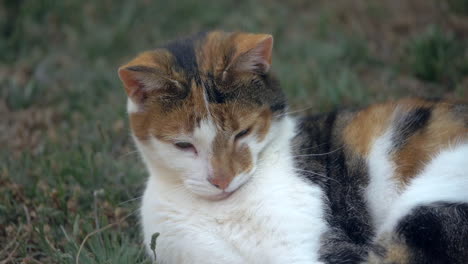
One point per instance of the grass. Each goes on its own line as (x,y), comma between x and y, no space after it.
(70,179)
(436,56)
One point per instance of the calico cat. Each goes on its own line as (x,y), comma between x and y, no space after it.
(235,179)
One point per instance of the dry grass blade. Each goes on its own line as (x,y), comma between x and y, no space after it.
(77,258)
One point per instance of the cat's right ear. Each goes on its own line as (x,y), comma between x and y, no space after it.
(139,82)
(143,82)
(144,78)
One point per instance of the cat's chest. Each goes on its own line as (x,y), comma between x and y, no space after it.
(264,217)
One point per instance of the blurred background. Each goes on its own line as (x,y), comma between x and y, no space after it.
(70,179)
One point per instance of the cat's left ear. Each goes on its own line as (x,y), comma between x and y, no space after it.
(252,52)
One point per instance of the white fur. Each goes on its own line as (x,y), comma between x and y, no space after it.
(382,189)
(274,217)
(131,106)
(444,179)
(183,168)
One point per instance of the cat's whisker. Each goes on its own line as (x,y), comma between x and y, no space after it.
(319,154)
(294,111)
(131,200)
(177,187)
(317,174)
(301,149)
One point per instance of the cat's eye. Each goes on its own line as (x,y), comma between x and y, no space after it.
(242,134)
(185,146)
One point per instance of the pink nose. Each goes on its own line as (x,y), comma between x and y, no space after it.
(220,182)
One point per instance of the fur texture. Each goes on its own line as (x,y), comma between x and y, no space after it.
(235,179)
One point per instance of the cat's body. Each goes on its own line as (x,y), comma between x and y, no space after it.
(235,179)
(382,165)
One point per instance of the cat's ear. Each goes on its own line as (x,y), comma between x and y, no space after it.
(143,79)
(140,82)
(252,52)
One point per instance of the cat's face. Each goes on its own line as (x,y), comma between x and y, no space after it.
(202,109)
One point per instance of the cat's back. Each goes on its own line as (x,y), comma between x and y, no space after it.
(377,164)
(401,141)
(416,130)
(408,132)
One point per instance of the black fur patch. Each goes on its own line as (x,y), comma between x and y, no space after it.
(214,95)
(322,158)
(278,107)
(437,233)
(412,122)
(142,69)
(183,51)
(274,94)
(460,111)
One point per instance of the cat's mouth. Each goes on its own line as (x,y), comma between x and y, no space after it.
(242,181)
(207,191)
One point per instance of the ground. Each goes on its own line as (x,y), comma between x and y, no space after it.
(70,179)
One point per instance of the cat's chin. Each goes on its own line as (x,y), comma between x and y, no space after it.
(219,197)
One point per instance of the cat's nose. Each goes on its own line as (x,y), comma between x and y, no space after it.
(220,182)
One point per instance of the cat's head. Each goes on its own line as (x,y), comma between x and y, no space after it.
(202,108)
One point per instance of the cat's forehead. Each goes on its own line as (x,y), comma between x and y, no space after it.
(204,52)
(201,64)
(215,76)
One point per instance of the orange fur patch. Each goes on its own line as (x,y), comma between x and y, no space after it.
(165,125)
(245,42)
(213,55)
(442,131)
(367,126)
(229,157)
(395,251)
(219,50)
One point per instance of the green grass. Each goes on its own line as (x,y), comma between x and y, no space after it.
(69,175)
(458,6)
(437,56)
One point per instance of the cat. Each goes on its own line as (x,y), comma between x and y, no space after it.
(234,178)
